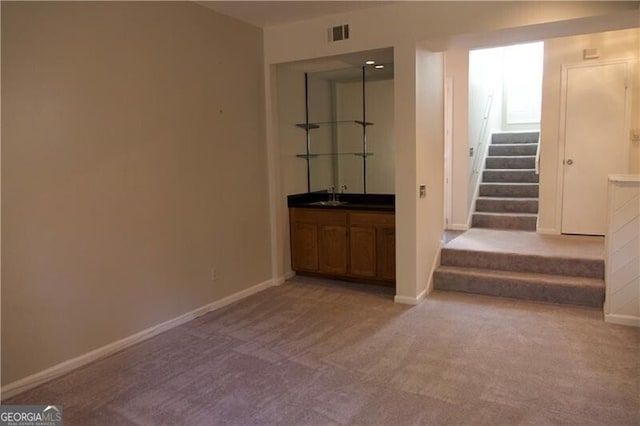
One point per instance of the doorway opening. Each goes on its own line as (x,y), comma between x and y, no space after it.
(505,96)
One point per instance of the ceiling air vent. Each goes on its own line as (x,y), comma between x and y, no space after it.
(341,32)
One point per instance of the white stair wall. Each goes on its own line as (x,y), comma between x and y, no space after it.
(622,255)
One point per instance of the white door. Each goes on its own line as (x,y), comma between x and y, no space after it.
(595,143)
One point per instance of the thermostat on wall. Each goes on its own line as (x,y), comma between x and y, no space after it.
(591,53)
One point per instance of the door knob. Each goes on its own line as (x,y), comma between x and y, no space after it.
(569,162)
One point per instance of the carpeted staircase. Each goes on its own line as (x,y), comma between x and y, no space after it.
(472,263)
(508,193)
(496,258)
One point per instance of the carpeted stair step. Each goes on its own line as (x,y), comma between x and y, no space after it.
(518,190)
(512,138)
(540,287)
(507,205)
(510,175)
(513,149)
(511,162)
(519,221)
(517,262)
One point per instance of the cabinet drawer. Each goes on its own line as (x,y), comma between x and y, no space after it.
(319,216)
(369,219)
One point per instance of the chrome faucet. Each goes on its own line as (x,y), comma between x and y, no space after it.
(332,190)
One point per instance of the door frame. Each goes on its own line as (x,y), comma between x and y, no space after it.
(629,62)
(448,151)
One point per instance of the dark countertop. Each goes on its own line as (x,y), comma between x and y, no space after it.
(371,202)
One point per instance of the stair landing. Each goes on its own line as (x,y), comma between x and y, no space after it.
(524,265)
(529,243)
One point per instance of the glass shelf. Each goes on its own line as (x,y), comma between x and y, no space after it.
(333,154)
(318,124)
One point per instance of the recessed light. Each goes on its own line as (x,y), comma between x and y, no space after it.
(379,67)
(370,62)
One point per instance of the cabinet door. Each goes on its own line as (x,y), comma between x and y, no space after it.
(362,251)
(387,253)
(304,246)
(333,249)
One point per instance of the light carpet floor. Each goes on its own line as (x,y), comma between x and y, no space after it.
(525,242)
(315,352)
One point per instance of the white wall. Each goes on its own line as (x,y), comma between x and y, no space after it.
(558,51)
(569,50)
(437,23)
(133,160)
(380,166)
(403,26)
(322,139)
(622,302)
(457,68)
(348,99)
(292,139)
(486,77)
(429,163)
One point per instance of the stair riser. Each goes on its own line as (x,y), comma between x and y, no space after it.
(504,222)
(518,176)
(520,149)
(506,206)
(523,263)
(518,191)
(520,289)
(511,162)
(512,138)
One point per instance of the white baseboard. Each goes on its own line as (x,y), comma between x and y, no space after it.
(429,288)
(36,379)
(410,300)
(281,280)
(458,227)
(622,320)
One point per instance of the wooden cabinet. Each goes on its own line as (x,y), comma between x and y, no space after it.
(319,241)
(332,245)
(362,253)
(387,252)
(304,246)
(344,244)
(373,245)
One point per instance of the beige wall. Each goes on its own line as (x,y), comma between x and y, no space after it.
(565,51)
(133,160)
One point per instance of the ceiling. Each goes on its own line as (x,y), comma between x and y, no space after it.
(338,68)
(348,66)
(270,13)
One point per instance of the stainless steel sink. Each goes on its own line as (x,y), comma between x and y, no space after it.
(328,203)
